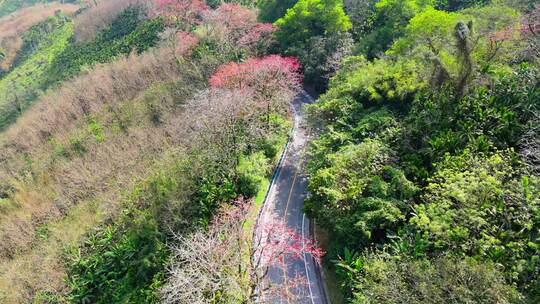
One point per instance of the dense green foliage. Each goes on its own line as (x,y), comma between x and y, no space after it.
(418,170)
(386,279)
(124,263)
(315,18)
(315,32)
(36,35)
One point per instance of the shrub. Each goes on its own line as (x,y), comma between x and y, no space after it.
(383,278)
(119,264)
(359,193)
(482,207)
(308,18)
(388,23)
(322,57)
(252,170)
(313,31)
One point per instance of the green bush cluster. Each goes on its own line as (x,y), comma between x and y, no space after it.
(386,279)
(315,31)
(124,266)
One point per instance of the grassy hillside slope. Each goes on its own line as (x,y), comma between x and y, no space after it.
(9,6)
(59,58)
(14,26)
(22,84)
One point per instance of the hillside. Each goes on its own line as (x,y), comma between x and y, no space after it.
(167,151)
(53,55)
(9,6)
(13,28)
(108,160)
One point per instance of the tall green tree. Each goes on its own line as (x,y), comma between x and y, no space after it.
(316,31)
(309,18)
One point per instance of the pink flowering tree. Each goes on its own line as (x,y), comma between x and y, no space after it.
(235,26)
(273,80)
(232,19)
(186,43)
(258,39)
(531,22)
(180,14)
(223,264)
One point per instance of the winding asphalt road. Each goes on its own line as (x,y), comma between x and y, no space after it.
(285,200)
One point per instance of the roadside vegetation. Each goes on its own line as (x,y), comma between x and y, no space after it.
(423,173)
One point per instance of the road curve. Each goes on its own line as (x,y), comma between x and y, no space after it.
(285,199)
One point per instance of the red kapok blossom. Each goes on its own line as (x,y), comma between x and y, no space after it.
(273,69)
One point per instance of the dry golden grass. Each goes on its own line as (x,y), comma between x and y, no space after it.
(41,269)
(15,24)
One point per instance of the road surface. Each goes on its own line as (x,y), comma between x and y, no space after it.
(285,200)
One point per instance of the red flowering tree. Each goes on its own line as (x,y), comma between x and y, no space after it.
(272,79)
(225,265)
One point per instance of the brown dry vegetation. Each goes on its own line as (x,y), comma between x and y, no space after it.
(15,24)
(55,161)
(97,17)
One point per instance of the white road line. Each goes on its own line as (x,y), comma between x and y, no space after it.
(305,262)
